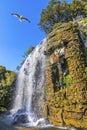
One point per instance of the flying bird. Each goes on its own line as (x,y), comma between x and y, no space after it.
(21,18)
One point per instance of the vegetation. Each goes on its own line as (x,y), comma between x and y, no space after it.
(7,79)
(25,56)
(28,51)
(67,80)
(60,11)
(85,20)
(67,106)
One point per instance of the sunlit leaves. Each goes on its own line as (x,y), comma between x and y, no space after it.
(6,84)
(61,11)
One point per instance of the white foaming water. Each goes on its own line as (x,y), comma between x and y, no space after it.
(29,95)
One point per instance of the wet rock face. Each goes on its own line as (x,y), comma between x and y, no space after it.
(20,119)
(66,71)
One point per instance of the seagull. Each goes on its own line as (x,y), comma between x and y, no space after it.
(21,18)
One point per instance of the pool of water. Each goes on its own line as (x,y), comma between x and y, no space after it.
(6,126)
(50,128)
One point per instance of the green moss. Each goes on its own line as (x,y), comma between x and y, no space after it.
(57,25)
(75,24)
(3,109)
(83,26)
(67,80)
(85,20)
(70,99)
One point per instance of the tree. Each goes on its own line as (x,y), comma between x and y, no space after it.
(77,8)
(28,51)
(55,12)
(7,78)
(24,56)
(50,15)
(84,0)
(61,11)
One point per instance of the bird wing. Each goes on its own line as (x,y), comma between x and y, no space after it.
(26,19)
(16,15)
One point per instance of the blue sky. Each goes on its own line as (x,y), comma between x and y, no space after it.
(16,37)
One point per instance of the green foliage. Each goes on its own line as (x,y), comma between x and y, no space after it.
(2,109)
(25,55)
(85,20)
(75,24)
(2,69)
(28,51)
(57,12)
(67,80)
(84,0)
(56,25)
(86,70)
(85,51)
(77,8)
(6,87)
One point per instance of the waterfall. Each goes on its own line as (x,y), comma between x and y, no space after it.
(29,95)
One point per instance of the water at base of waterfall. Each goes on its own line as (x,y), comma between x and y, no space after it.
(6,126)
(41,123)
(26,119)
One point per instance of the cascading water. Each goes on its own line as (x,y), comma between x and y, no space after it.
(29,96)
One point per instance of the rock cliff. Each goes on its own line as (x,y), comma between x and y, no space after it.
(66,76)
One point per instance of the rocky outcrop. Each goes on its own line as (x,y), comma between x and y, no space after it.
(66,79)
